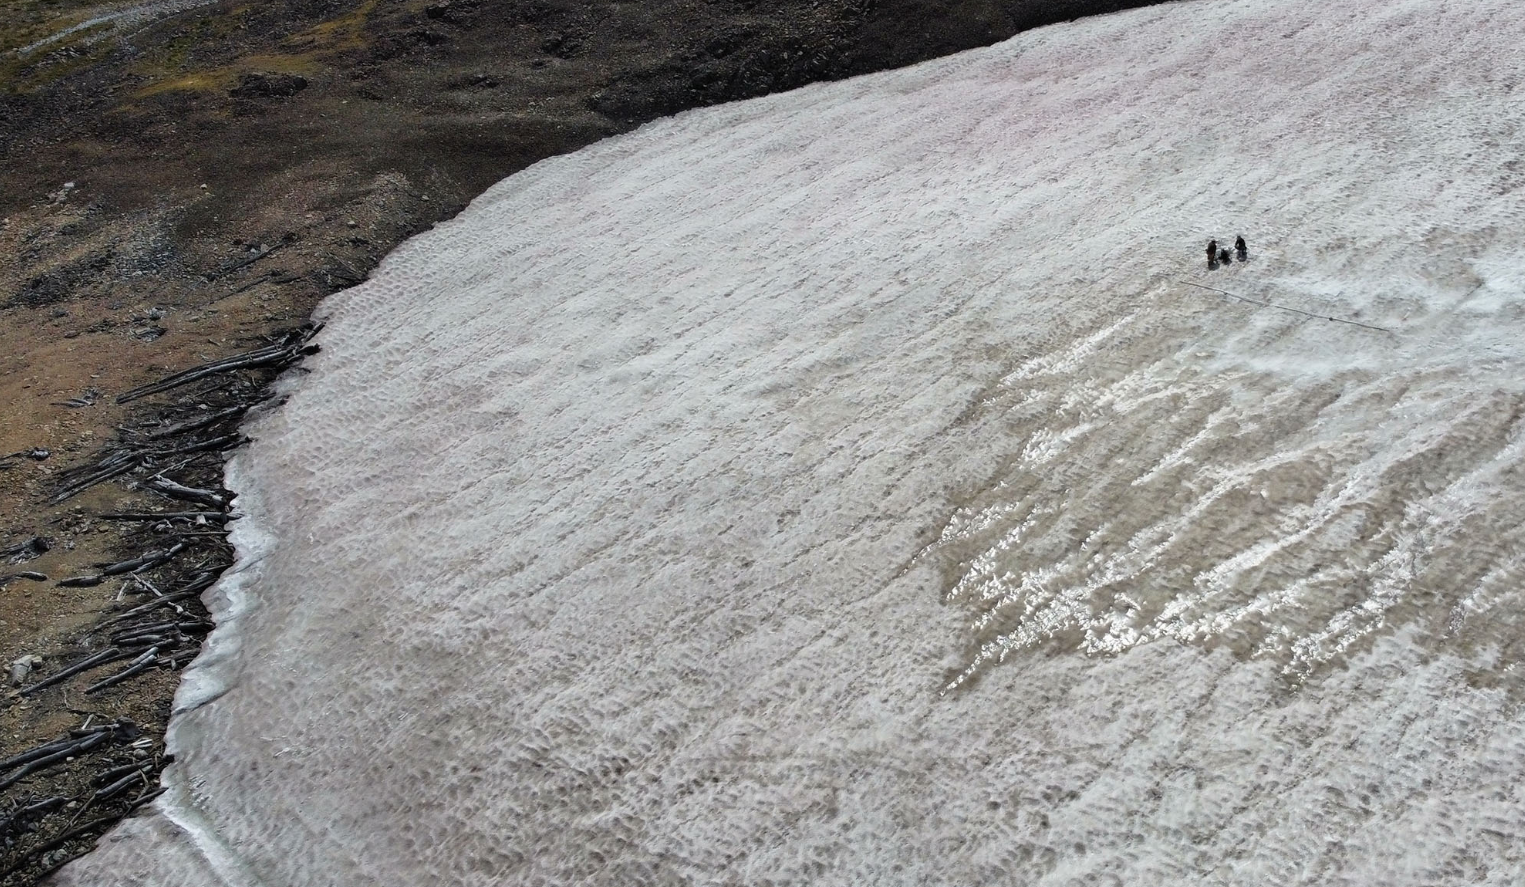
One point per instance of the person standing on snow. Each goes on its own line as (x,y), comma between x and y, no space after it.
(1212,254)
(1241,248)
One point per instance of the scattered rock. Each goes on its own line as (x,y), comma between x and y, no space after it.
(36,454)
(428,37)
(561,45)
(86,399)
(725,44)
(59,283)
(460,13)
(397,45)
(447,12)
(23,667)
(25,551)
(475,81)
(268,86)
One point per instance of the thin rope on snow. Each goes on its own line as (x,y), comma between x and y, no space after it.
(1380,329)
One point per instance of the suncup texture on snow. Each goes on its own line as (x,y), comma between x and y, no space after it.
(847,487)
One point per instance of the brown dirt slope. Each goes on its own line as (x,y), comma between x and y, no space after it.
(180,180)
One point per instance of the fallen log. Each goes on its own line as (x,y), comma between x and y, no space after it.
(148,795)
(24,574)
(106,469)
(141,664)
(187,494)
(43,763)
(109,726)
(115,773)
(81,581)
(111,654)
(167,515)
(224,271)
(41,751)
(183,629)
(289,351)
(222,442)
(209,419)
(141,629)
(183,658)
(121,784)
(161,641)
(145,562)
(167,600)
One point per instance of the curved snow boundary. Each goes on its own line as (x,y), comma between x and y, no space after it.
(612,527)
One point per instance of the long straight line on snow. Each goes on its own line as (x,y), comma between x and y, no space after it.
(1380,329)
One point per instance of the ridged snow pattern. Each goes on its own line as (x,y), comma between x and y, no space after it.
(666,518)
(1266,512)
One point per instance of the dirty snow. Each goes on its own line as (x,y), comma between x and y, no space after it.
(850,487)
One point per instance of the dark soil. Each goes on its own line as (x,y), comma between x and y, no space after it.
(177,186)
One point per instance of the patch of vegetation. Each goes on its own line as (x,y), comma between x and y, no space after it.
(28,71)
(198,81)
(223,77)
(340,33)
(193,58)
(24,22)
(190,62)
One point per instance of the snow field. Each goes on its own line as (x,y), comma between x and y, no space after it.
(846,487)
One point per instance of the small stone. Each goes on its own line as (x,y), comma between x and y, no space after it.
(23,667)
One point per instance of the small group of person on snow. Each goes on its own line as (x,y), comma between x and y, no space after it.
(1215,255)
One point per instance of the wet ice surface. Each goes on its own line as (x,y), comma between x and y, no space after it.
(845,487)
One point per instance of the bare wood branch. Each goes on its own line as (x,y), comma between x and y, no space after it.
(288,352)
(110,654)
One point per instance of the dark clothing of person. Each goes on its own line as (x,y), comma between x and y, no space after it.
(1241,248)
(1212,253)
(1223,257)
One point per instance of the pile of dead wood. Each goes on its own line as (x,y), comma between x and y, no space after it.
(174,452)
(155,451)
(125,778)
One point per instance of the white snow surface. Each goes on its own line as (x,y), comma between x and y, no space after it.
(847,487)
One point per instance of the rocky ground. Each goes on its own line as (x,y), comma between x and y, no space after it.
(183,181)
